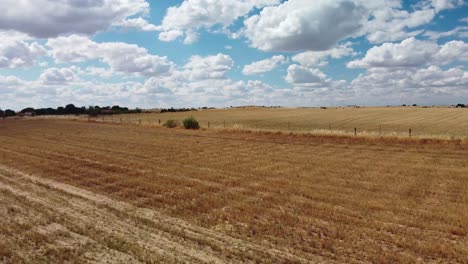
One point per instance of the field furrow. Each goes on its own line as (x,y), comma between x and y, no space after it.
(227,196)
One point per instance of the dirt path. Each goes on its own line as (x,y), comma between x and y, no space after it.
(110,231)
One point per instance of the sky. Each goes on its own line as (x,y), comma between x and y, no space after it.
(221,53)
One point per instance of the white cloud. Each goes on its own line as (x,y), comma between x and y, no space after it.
(263,65)
(154,86)
(59,76)
(136,23)
(192,15)
(303,76)
(43,18)
(412,53)
(392,24)
(9,84)
(310,77)
(319,58)
(460,32)
(298,25)
(209,67)
(401,79)
(170,35)
(465,20)
(121,57)
(440,5)
(191,37)
(99,72)
(16,50)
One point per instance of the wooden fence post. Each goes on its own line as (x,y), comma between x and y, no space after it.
(355,131)
(410,132)
(159,121)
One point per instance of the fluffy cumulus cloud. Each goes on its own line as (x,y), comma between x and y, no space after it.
(391,22)
(43,18)
(310,77)
(299,25)
(192,15)
(429,79)
(137,24)
(263,66)
(59,76)
(98,72)
(121,57)
(320,58)
(209,67)
(395,24)
(8,84)
(411,70)
(17,50)
(412,53)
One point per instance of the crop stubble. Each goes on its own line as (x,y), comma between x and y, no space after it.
(285,198)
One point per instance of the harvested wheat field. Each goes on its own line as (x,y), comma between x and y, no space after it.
(390,121)
(73,191)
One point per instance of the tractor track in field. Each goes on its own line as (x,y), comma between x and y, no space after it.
(137,234)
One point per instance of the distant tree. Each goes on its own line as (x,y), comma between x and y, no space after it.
(116,108)
(70,109)
(461,106)
(28,109)
(93,110)
(60,110)
(9,112)
(2,113)
(46,111)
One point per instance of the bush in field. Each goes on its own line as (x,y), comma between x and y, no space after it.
(190,123)
(171,123)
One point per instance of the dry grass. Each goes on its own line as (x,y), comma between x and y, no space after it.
(395,121)
(310,198)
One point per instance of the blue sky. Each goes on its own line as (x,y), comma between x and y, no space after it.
(186,53)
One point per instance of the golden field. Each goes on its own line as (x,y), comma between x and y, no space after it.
(392,121)
(81,191)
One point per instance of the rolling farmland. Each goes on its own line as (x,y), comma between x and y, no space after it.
(92,191)
(394,121)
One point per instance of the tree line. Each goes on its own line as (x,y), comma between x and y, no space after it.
(71,109)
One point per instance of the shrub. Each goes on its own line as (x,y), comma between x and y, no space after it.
(171,123)
(190,123)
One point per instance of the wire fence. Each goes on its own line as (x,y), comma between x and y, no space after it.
(306,126)
(378,130)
